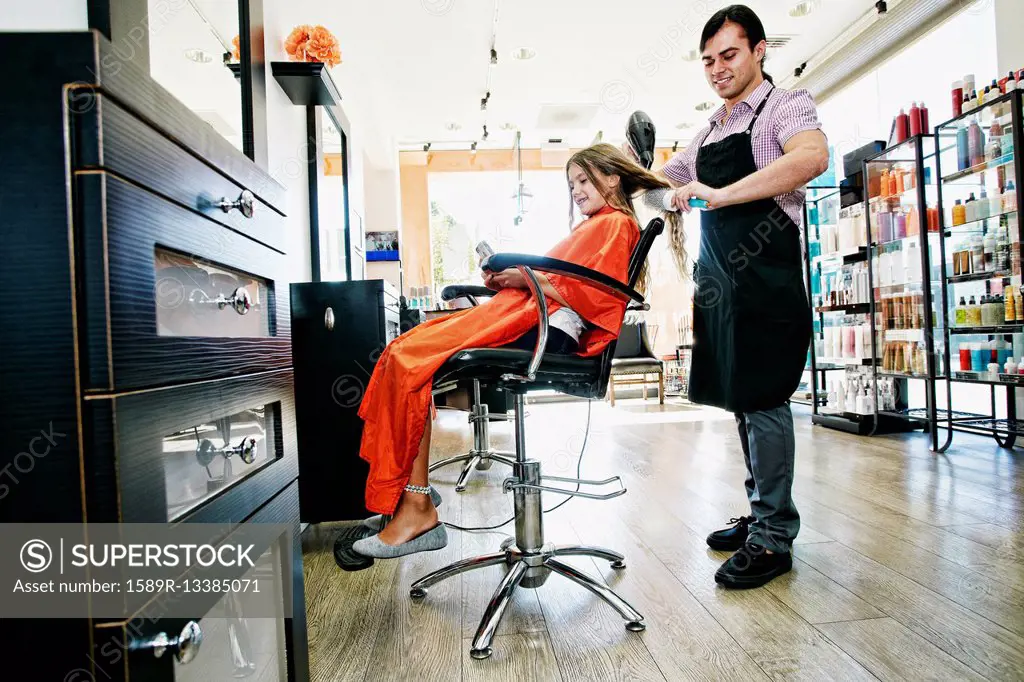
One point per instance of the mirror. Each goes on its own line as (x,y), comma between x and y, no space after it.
(188,42)
(337,239)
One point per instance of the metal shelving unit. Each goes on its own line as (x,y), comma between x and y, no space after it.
(968,162)
(827,255)
(907,303)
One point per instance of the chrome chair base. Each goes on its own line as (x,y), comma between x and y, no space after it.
(521,565)
(529,558)
(474,459)
(481,457)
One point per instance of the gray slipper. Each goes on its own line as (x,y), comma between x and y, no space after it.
(433,539)
(376,523)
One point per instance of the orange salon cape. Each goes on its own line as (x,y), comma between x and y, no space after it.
(397,400)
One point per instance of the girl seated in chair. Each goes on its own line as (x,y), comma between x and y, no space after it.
(583,320)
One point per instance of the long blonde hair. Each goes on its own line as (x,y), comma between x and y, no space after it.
(633,180)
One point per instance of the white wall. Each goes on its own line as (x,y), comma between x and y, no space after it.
(1009,22)
(286,129)
(43,15)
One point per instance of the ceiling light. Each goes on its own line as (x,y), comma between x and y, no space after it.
(705,106)
(485,133)
(802,9)
(684,126)
(453,126)
(198,56)
(508,126)
(691,55)
(472,149)
(523,53)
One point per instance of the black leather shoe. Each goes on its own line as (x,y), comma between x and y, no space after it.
(732,538)
(752,566)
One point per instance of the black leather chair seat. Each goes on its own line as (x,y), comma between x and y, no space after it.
(488,363)
(636,366)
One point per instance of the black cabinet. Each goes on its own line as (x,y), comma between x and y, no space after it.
(339,330)
(146,360)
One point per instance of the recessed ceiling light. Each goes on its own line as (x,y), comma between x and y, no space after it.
(802,9)
(453,126)
(523,53)
(198,56)
(691,55)
(508,126)
(705,106)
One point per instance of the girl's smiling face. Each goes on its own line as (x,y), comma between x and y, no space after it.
(585,194)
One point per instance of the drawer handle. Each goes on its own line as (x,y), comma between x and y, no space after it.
(240,300)
(245,203)
(329,319)
(184,648)
(246,451)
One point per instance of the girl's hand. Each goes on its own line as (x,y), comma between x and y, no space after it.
(489,281)
(510,279)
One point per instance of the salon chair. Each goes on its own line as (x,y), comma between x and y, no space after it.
(530,560)
(481,457)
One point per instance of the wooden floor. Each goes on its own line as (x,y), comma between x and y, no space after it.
(908,565)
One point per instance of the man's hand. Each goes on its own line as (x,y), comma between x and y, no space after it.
(716,198)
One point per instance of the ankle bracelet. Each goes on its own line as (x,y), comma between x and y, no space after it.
(421,489)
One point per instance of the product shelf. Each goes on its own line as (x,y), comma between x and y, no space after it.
(976,221)
(964,377)
(988,331)
(848,308)
(979,276)
(1009,427)
(994,164)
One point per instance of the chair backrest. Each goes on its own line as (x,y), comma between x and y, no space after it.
(599,386)
(633,342)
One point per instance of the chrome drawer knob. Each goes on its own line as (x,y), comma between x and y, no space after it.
(240,300)
(184,648)
(329,319)
(245,203)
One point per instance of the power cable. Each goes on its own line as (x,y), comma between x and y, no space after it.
(579,467)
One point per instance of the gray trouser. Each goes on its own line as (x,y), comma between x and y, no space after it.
(769,447)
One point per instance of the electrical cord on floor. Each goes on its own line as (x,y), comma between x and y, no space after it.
(579,467)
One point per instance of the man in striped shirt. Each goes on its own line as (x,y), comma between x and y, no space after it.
(752,321)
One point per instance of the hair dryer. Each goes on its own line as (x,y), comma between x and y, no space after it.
(640,135)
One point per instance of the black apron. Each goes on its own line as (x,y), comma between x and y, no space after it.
(751,317)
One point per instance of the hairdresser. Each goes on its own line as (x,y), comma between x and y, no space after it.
(751,318)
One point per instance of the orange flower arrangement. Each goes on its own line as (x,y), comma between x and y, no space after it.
(236,50)
(312,44)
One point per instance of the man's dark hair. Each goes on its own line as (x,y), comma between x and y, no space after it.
(747,20)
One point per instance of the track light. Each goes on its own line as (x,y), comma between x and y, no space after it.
(472,149)
(494,56)
(799,71)
(483,102)
(485,133)
(881,7)
(675,146)
(426,147)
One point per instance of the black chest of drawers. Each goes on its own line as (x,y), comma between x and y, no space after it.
(339,332)
(146,367)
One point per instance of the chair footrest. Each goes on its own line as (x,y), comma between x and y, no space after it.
(512,484)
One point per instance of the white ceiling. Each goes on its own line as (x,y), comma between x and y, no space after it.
(410,67)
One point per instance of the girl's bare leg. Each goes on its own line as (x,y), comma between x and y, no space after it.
(415,513)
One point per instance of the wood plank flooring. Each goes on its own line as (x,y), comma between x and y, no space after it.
(909,565)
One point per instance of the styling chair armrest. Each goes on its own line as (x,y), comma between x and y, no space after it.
(469,291)
(504,261)
(526,264)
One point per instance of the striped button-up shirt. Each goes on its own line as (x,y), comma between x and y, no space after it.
(786,113)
